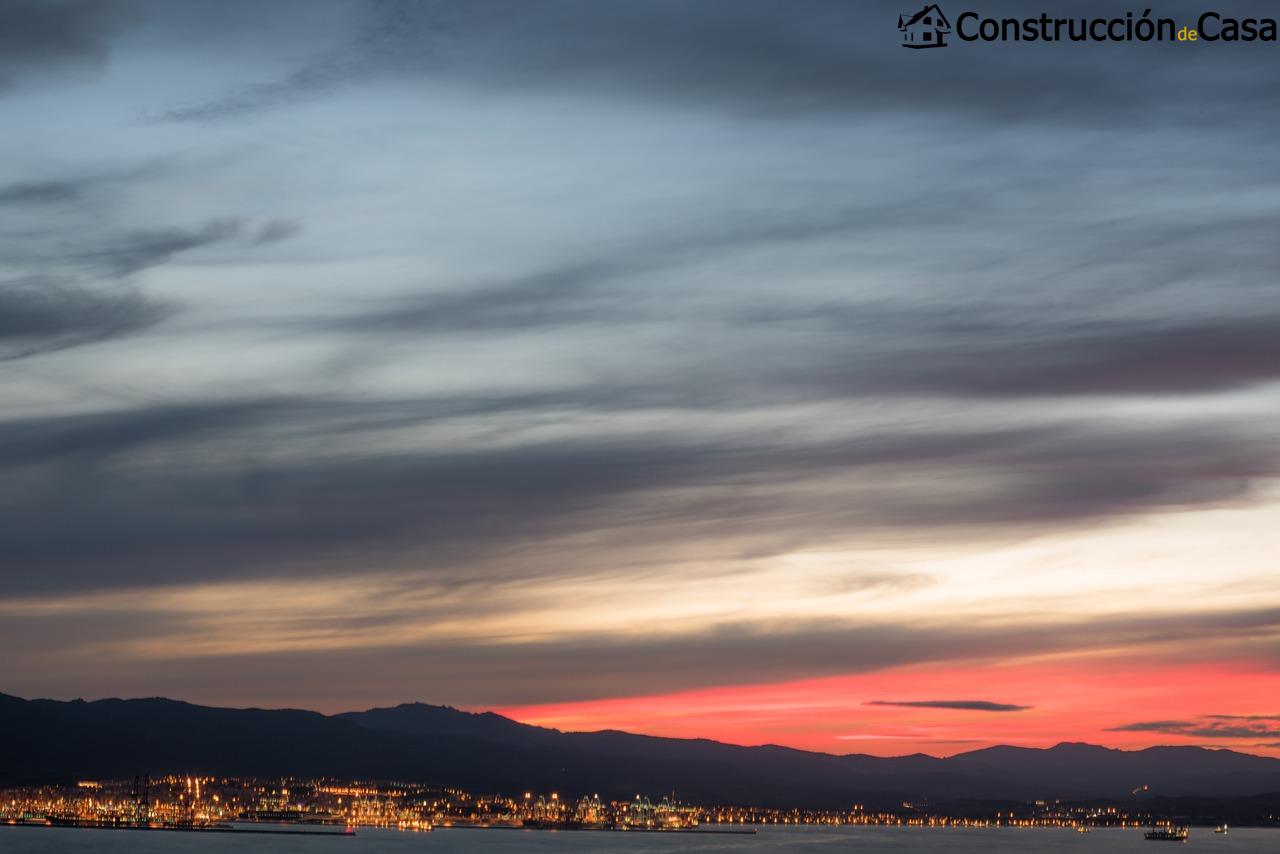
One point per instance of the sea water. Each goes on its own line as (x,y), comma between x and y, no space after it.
(795,840)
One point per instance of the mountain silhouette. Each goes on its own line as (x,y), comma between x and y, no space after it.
(51,741)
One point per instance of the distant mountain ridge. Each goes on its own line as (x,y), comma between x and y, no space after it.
(48,740)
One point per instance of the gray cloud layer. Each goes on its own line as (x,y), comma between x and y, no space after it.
(1212,726)
(958,705)
(761,61)
(595,665)
(74,270)
(39,316)
(473,294)
(39,38)
(195,493)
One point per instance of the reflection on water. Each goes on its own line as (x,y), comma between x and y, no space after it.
(810,840)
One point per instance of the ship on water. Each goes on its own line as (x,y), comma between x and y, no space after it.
(553,824)
(1168,833)
(129,823)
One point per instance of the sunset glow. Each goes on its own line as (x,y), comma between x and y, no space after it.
(1093,701)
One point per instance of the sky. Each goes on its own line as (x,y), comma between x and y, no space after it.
(693,368)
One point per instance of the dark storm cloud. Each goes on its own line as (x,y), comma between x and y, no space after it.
(1212,726)
(959,705)
(764,58)
(191,493)
(39,316)
(40,38)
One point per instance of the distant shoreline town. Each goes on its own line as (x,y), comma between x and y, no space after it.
(292,805)
(164,764)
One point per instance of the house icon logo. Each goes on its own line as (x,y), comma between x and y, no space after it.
(926,28)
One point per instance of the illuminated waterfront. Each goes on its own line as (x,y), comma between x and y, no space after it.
(199,803)
(327,806)
(360,816)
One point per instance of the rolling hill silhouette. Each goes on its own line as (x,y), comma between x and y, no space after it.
(48,740)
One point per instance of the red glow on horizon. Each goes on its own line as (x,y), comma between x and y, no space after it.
(1067,702)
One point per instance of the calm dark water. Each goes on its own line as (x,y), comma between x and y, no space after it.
(875,840)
